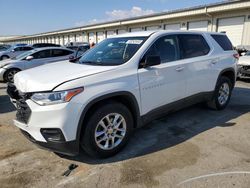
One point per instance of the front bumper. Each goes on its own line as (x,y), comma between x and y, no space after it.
(243,71)
(2,71)
(68,148)
(37,122)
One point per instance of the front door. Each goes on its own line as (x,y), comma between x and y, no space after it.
(165,83)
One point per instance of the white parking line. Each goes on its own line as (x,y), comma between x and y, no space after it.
(211,175)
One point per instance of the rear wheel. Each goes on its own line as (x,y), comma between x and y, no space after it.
(4,57)
(107,130)
(222,94)
(9,75)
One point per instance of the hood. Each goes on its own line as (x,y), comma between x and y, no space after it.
(47,77)
(7,61)
(244,60)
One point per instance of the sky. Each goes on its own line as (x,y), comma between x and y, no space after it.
(25,17)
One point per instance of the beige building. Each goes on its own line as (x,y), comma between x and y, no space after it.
(231,17)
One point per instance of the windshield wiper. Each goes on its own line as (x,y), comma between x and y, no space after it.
(91,62)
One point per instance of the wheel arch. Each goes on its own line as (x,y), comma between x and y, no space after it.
(4,55)
(229,73)
(124,97)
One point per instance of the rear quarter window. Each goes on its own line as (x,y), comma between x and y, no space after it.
(193,45)
(223,41)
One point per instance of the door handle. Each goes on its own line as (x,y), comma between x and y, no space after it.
(179,69)
(214,61)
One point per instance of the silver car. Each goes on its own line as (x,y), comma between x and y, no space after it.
(14,51)
(33,58)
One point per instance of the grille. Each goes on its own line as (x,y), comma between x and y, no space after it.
(23,110)
(246,68)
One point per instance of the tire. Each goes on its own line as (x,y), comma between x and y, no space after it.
(222,94)
(111,111)
(9,75)
(4,57)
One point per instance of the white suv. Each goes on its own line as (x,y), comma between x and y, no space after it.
(121,84)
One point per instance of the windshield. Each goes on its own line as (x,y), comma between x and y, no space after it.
(24,55)
(113,51)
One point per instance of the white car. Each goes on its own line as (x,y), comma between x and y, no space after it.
(244,66)
(121,84)
(31,59)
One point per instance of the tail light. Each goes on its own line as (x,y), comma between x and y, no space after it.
(236,56)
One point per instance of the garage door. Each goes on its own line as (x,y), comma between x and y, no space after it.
(66,39)
(57,40)
(198,26)
(233,27)
(121,31)
(78,38)
(84,37)
(172,27)
(151,28)
(92,37)
(72,38)
(100,36)
(110,33)
(61,40)
(136,29)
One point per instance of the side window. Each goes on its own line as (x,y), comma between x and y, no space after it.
(42,54)
(18,49)
(58,52)
(26,48)
(166,47)
(192,45)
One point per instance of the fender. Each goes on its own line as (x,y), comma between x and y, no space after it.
(227,70)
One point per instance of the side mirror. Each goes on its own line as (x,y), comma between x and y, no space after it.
(150,61)
(12,50)
(72,59)
(28,58)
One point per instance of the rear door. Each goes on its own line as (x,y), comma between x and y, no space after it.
(15,52)
(194,54)
(165,83)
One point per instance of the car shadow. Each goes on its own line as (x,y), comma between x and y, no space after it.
(176,128)
(5,104)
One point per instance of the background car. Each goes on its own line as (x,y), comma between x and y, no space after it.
(4,47)
(14,51)
(20,44)
(244,66)
(42,45)
(30,59)
(79,47)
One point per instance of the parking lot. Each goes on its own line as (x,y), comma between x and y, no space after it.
(194,147)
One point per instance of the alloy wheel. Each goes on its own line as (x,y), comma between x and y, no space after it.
(224,92)
(110,131)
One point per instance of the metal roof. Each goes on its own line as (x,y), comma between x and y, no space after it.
(132,20)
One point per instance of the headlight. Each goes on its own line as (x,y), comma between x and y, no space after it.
(55,97)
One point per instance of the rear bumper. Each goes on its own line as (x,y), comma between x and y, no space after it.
(70,148)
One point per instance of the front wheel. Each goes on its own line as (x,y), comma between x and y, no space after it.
(222,94)
(107,130)
(9,75)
